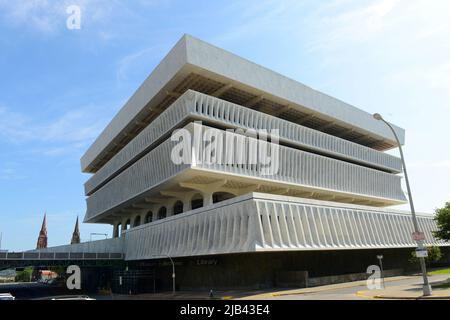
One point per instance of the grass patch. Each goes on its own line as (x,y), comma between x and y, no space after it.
(438,272)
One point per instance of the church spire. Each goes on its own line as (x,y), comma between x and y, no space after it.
(76,234)
(42,239)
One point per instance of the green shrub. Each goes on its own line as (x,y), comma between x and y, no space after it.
(442,218)
(24,276)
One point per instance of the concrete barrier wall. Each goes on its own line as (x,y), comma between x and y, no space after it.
(114,245)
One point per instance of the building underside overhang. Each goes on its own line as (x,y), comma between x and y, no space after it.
(198,181)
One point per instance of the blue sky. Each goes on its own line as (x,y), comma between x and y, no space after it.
(60,87)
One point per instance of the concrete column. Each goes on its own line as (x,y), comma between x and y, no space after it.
(187,204)
(206,190)
(207,198)
(116,230)
(184,197)
(169,210)
(134,219)
(169,206)
(124,224)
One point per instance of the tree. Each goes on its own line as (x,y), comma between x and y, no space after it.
(24,275)
(434,255)
(442,219)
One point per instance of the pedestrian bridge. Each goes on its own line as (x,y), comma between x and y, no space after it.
(58,256)
(102,252)
(87,259)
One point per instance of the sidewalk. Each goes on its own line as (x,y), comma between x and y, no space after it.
(180,295)
(440,288)
(331,287)
(244,295)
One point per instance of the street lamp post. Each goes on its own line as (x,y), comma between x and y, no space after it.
(97,234)
(380,259)
(173,271)
(426,286)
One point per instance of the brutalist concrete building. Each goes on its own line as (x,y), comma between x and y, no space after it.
(324,209)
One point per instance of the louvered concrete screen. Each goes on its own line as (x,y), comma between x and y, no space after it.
(225,112)
(261,222)
(298,168)
(307,169)
(194,105)
(145,174)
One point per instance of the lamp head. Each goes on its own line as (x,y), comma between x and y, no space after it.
(377,116)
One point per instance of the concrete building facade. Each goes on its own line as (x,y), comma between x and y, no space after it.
(330,191)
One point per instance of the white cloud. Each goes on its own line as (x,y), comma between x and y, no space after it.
(72,126)
(370,19)
(49,16)
(127,63)
(97,16)
(363,20)
(41,15)
(249,20)
(392,55)
(70,132)
(8,173)
(12,124)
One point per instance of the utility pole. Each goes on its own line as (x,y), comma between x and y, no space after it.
(426,286)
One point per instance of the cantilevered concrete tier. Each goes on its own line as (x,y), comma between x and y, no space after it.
(194,64)
(193,106)
(258,222)
(262,222)
(299,172)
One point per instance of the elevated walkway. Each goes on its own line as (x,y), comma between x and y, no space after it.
(58,256)
(102,252)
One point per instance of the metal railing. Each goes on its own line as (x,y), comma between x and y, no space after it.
(15,256)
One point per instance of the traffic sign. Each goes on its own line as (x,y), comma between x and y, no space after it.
(421,253)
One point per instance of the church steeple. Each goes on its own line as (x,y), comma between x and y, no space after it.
(42,239)
(76,234)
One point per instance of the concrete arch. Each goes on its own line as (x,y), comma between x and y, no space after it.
(162,213)
(126,225)
(148,217)
(222,196)
(137,221)
(197,201)
(178,207)
(117,230)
